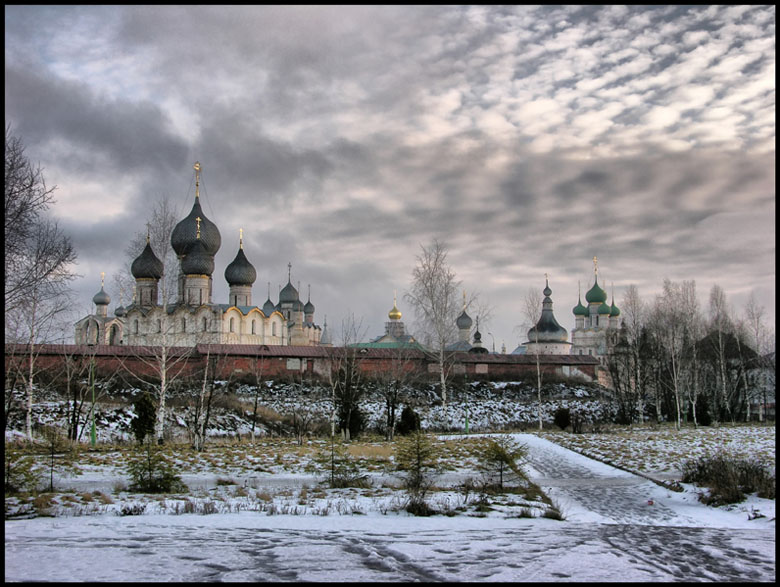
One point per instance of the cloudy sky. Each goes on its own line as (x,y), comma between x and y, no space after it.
(341,139)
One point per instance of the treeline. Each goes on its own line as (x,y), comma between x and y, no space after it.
(675,361)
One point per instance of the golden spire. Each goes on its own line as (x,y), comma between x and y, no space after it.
(240,238)
(102,277)
(464,300)
(148,232)
(595,265)
(197,169)
(197,220)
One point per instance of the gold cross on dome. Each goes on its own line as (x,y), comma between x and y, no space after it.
(197,220)
(102,277)
(595,264)
(241,238)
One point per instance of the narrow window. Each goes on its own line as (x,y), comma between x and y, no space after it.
(159,325)
(184,325)
(231,325)
(136,326)
(273,329)
(253,327)
(205,324)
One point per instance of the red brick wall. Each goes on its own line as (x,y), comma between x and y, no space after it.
(285,362)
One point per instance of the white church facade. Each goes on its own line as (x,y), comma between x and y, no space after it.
(194,318)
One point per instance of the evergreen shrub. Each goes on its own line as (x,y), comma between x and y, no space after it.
(408,423)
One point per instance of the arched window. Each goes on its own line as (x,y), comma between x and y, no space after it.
(135,326)
(113,335)
(184,325)
(205,324)
(273,329)
(231,325)
(253,327)
(159,325)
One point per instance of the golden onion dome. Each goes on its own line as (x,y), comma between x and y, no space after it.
(395,313)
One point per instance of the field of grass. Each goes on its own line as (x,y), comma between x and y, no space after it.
(660,451)
(279,475)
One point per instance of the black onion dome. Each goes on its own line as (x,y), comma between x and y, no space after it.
(147,265)
(268,307)
(198,261)
(184,234)
(101,298)
(464,321)
(240,271)
(308,308)
(288,294)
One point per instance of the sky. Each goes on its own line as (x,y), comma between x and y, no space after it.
(343,139)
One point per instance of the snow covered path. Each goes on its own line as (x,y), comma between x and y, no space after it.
(611,533)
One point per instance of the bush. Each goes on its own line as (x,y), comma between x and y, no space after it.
(151,472)
(498,461)
(729,479)
(562,418)
(21,473)
(408,423)
(418,457)
(341,470)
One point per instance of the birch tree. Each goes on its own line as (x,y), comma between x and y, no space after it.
(532,311)
(434,297)
(760,338)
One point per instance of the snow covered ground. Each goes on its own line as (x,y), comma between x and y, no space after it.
(272,526)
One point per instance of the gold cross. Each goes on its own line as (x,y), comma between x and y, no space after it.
(102,276)
(596,265)
(197,220)
(241,238)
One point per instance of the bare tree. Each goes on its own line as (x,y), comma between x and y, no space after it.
(393,381)
(761,339)
(38,259)
(720,325)
(257,367)
(38,256)
(670,324)
(345,375)
(532,311)
(433,296)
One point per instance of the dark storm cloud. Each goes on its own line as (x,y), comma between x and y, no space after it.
(118,134)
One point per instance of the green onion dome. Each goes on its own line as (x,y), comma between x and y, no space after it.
(596,294)
(579,309)
(147,265)
(614,311)
(604,309)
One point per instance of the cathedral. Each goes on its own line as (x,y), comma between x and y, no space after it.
(194,318)
(596,326)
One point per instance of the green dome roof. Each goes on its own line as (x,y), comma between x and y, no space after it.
(579,309)
(614,311)
(604,308)
(596,294)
